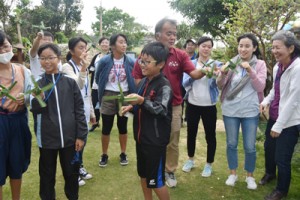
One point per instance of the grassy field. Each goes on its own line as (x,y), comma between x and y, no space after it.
(117,183)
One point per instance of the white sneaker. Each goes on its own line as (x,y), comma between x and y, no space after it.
(251,185)
(231,180)
(207,170)
(188,165)
(84,174)
(81,182)
(170,179)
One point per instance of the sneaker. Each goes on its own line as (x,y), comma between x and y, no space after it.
(104,160)
(123,159)
(207,171)
(251,185)
(81,182)
(84,174)
(188,165)
(231,180)
(170,179)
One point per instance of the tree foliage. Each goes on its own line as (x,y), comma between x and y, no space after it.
(116,21)
(262,18)
(186,31)
(5,10)
(207,15)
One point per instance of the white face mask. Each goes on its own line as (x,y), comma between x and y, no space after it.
(6,57)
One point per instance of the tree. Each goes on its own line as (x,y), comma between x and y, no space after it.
(186,31)
(5,9)
(207,15)
(262,18)
(117,21)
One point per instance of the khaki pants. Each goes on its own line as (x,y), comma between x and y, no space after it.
(172,148)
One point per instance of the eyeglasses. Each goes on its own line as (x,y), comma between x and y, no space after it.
(47,59)
(145,63)
(5,47)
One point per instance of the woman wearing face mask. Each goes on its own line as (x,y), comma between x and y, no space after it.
(15,136)
(242,92)
(76,67)
(113,70)
(104,46)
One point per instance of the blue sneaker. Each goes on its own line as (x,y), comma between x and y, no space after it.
(188,165)
(207,170)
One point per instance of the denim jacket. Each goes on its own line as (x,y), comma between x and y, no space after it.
(187,83)
(104,67)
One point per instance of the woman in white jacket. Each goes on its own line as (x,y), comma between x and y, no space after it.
(285,93)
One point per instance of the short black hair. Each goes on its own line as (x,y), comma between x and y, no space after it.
(205,39)
(3,36)
(51,46)
(48,34)
(74,41)
(254,40)
(113,38)
(157,51)
(101,39)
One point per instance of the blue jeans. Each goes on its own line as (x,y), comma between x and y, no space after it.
(249,129)
(285,145)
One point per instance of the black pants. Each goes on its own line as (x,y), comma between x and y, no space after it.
(270,147)
(95,100)
(209,120)
(47,171)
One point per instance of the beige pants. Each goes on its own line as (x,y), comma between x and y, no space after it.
(172,148)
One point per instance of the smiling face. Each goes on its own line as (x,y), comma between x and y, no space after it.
(168,35)
(205,49)
(281,52)
(120,46)
(104,45)
(78,50)
(246,49)
(49,61)
(149,67)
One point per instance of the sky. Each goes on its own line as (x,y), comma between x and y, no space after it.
(146,12)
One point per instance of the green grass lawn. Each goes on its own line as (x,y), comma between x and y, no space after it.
(117,183)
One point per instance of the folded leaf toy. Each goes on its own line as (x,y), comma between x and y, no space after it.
(232,65)
(37,91)
(120,97)
(208,69)
(5,91)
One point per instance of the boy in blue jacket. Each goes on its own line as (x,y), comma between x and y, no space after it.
(152,120)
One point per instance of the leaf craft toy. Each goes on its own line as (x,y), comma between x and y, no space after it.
(208,70)
(37,91)
(4,92)
(41,27)
(232,65)
(121,98)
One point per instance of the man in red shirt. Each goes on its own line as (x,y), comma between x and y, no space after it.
(178,62)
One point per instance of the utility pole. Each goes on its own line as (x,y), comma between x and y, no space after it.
(100,19)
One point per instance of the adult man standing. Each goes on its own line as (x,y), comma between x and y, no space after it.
(190,47)
(177,63)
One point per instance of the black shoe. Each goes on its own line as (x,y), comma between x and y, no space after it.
(275,195)
(123,159)
(103,161)
(266,179)
(94,126)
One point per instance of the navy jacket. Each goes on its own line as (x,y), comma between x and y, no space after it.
(104,67)
(152,119)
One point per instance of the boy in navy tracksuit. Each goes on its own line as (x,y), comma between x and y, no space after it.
(152,120)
